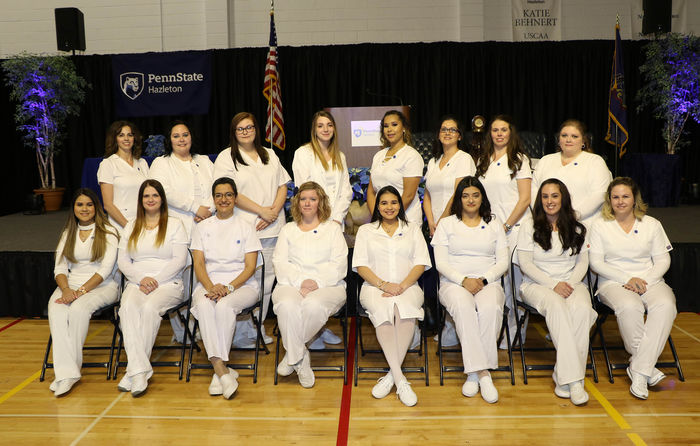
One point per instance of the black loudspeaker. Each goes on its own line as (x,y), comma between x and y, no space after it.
(657,16)
(70,29)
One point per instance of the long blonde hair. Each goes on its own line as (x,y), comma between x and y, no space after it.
(140,222)
(102,228)
(333,150)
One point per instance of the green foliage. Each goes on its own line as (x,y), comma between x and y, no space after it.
(672,84)
(47,90)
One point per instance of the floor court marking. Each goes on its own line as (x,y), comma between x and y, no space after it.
(344,417)
(11,324)
(36,375)
(614,414)
(96,420)
(686,333)
(636,439)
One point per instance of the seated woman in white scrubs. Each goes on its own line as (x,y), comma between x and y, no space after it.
(121,173)
(311,261)
(553,254)
(390,255)
(630,253)
(152,254)
(84,273)
(225,251)
(471,254)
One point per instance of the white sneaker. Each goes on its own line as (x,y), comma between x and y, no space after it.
(449,335)
(561,390)
(578,393)
(406,394)
(639,384)
(125,384)
(317,344)
(383,386)
(229,385)
(416,338)
(215,388)
(656,377)
(52,386)
(305,373)
(283,368)
(488,390)
(139,384)
(330,338)
(471,385)
(64,386)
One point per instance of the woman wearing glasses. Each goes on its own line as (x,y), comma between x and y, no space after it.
(504,170)
(262,190)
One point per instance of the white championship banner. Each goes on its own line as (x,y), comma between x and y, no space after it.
(536,20)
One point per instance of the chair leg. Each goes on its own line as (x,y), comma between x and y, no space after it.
(345,347)
(110,364)
(440,360)
(424,344)
(593,366)
(358,343)
(189,361)
(675,359)
(510,348)
(278,335)
(119,353)
(46,360)
(604,347)
(519,337)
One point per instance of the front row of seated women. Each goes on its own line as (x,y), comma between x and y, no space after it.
(628,250)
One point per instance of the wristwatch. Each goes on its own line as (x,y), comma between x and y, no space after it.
(230,288)
(485,282)
(508,227)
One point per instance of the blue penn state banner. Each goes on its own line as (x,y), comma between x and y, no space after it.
(154,84)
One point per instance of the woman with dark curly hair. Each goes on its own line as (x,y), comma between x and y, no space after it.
(553,254)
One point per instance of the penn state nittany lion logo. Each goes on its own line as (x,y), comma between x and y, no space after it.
(357,132)
(131,84)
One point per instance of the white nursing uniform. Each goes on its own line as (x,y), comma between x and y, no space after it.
(406,163)
(480,251)
(224,244)
(259,182)
(187,185)
(69,322)
(618,256)
(126,181)
(440,183)
(321,255)
(586,177)
(140,314)
(569,319)
(391,258)
(335,183)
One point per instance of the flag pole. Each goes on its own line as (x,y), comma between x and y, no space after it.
(270,102)
(617,127)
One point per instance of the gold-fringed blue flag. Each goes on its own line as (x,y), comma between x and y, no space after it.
(274,129)
(617,108)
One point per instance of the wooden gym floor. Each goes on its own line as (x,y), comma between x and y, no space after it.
(177,412)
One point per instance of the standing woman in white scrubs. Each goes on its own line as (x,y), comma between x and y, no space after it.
(84,273)
(398,165)
(225,251)
(504,169)
(186,178)
(448,166)
(121,173)
(553,254)
(152,254)
(585,174)
(262,191)
(311,261)
(390,255)
(471,254)
(630,253)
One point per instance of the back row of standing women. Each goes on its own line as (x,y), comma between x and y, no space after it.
(471,245)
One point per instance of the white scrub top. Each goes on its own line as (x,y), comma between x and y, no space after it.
(406,163)
(126,181)
(440,183)
(502,190)
(257,181)
(84,268)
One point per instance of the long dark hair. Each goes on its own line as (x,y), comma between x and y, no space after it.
(102,228)
(438,150)
(140,221)
(407,139)
(168,146)
(233,141)
(376,216)
(457,208)
(111,146)
(514,149)
(572,233)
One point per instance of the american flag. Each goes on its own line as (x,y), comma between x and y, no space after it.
(274,129)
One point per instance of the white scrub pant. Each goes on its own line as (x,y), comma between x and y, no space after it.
(477,321)
(69,326)
(268,248)
(300,318)
(569,321)
(140,317)
(217,320)
(643,340)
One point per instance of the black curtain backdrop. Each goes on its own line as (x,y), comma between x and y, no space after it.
(539,84)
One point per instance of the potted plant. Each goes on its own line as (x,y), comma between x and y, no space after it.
(671,89)
(47,90)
